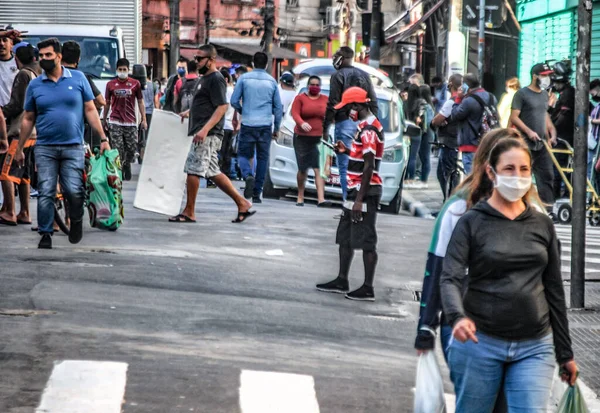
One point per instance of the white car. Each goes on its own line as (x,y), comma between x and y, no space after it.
(324,69)
(281,174)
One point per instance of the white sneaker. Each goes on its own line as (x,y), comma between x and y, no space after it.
(409,184)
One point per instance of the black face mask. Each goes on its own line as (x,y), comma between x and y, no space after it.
(203,69)
(337,62)
(48,65)
(596,98)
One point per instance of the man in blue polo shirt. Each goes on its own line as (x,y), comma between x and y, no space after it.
(55,104)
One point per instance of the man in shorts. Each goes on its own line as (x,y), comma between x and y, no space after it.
(207,118)
(122,94)
(11,173)
(357,227)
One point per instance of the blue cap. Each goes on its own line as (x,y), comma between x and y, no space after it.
(21,44)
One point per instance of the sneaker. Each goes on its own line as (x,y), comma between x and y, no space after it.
(45,242)
(409,184)
(76,231)
(33,193)
(338,216)
(127,172)
(338,286)
(256,200)
(364,293)
(249,189)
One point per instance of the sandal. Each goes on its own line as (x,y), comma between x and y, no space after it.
(300,204)
(7,222)
(23,222)
(243,216)
(182,219)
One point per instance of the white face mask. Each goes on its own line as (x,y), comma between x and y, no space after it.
(122,75)
(544,82)
(512,188)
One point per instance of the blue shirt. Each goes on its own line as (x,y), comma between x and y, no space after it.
(59,107)
(261,101)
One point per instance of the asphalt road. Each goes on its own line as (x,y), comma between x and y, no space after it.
(194,310)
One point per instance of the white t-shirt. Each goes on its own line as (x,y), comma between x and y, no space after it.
(446,110)
(230,110)
(287,97)
(8,72)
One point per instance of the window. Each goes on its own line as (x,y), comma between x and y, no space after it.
(99,55)
(292,4)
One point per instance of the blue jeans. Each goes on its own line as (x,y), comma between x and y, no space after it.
(425,154)
(255,140)
(68,162)
(415,146)
(478,371)
(345,131)
(467,159)
(445,338)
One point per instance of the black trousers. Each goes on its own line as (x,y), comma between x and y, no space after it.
(446,164)
(226,152)
(543,170)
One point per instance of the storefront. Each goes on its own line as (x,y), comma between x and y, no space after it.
(549,33)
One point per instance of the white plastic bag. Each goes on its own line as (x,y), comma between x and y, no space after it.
(429,391)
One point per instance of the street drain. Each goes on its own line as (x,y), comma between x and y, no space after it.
(24,313)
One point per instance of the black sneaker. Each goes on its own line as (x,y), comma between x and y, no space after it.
(364,293)
(249,189)
(76,231)
(127,172)
(256,200)
(45,242)
(338,286)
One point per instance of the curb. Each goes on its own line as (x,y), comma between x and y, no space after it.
(416,208)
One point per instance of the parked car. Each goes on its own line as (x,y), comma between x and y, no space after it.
(281,175)
(324,69)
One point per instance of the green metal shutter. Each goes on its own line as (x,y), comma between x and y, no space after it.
(595,57)
(548,38)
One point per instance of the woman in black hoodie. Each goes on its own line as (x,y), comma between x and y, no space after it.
(511,321)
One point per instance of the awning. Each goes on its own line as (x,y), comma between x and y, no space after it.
(190,53)
(250,50)
(410,29)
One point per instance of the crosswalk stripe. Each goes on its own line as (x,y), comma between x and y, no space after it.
(77,386)
(270,392)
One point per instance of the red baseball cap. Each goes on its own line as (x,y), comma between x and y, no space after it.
(353,94)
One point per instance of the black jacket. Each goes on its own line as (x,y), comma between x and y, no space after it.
(341,80)
(514,287)
(563,114)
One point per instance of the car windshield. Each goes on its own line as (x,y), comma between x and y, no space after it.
(99,55)
(327,71)
(388,113)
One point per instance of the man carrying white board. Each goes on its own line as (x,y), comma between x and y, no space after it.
(206,125)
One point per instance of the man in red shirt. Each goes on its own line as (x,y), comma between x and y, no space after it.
(121,95)
(185,88)
(357,228)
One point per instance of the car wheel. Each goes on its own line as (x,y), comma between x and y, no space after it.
(269,191)
(395,204)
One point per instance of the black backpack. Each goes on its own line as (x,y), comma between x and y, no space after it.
(187,93)
(490,119)
(170,94)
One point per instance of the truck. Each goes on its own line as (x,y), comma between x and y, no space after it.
(106,31)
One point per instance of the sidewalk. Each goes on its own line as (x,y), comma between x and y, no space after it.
(424,203)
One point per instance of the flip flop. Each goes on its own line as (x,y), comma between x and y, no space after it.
(182,219)
(299,204)
(7,222)
(243,216)
(22,222)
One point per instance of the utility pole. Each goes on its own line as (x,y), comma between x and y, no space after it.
(374,54)
(207,23)
(582,109)
(174,35)
(267,40)
(481,50)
